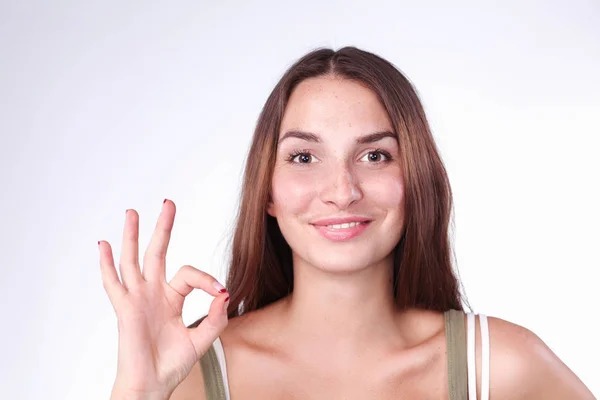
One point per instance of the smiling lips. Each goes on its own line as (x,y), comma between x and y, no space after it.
(341,229)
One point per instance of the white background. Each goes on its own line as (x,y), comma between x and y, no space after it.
(108,105)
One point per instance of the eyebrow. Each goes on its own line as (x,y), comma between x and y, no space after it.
(312,137)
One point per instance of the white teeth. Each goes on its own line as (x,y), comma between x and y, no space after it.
(342,226)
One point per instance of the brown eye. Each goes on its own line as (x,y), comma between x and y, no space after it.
(377,156)
(374,157)
(302,158)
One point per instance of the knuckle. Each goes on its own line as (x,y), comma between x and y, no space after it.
(187,269)
(156,253)
(190,270)
(126,264)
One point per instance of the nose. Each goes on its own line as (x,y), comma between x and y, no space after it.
(340,187)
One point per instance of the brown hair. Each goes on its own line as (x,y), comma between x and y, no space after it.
(261,265)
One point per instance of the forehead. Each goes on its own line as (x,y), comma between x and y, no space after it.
(329,103)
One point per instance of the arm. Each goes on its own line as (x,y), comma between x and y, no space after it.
(523,367)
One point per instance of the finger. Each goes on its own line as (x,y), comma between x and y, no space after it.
(110,279)
(204,335)
(189,278)
(129,261)
(156,253)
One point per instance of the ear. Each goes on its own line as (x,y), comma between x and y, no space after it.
(271,209)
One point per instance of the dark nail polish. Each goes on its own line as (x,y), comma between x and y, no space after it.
(226,298)
(223,291)
(164,201)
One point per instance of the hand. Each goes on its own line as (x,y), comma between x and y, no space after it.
(156,350)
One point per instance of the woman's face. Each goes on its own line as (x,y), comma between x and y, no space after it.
(337,189)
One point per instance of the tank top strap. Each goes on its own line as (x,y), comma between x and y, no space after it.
(214,371)
(485,357)
(456,345)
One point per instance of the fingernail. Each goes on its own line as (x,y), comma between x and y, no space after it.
(220,288)
(164,201)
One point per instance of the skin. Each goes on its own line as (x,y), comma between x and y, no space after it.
(339,334)
(156,350)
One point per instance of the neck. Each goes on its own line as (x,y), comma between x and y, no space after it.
(342,311)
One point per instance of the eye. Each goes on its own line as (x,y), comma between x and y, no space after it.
(301,157)
(377,156)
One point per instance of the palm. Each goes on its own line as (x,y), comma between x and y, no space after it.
(156,350)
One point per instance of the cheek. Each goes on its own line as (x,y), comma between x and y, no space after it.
(292,193)
(385,189)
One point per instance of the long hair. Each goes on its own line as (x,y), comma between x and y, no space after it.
(260,270)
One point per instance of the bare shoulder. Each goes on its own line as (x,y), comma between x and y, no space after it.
(522,366)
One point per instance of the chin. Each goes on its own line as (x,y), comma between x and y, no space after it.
(349,258)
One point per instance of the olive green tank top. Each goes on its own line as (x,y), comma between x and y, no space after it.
(216,386)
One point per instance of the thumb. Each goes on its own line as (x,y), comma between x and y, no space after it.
(205,334)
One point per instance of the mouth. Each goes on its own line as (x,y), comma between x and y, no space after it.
(345,225)
(341,231)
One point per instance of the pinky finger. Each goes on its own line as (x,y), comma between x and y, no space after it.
(110,279)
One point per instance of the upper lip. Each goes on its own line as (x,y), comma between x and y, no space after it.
(340,220)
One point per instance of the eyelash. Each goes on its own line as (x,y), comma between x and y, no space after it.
(297,153)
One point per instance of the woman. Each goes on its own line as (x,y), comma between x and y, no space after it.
(341,283)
